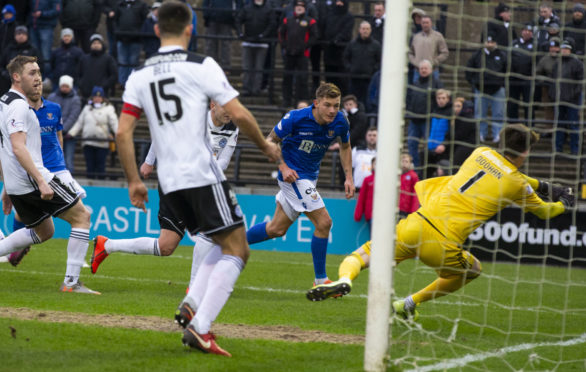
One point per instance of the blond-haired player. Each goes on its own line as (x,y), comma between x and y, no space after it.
(452,208)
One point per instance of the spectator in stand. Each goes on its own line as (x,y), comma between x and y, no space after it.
(297,34)
(65,59)
(354,111)
(218,18)
(546,17)
(128,20)
(362,156)
(566,92)
(553,30)
(544,76)
(486,74)
(500,27)
(151,43)
(438,142)
(96,67)
(192,47)
(7,26)
(254,23)
(43,18)
(79,15)
(337,33)
(21,10)
(373,93)
(408,202)
(416,15)
(109,9)
(523,55)
(464,133)
(97,124)
(70,103)
(302,104)
(362,59)
(576,29)
(323,8)
(420,103)
(366,197)
(377,22)
(429,45)
(20,45)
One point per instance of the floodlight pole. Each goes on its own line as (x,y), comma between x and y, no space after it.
(390,120)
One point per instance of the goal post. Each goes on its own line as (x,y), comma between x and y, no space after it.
(392,93)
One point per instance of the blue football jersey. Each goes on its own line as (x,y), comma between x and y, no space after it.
(49,115)
(305,142)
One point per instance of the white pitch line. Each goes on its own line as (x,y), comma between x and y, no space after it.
(471,358)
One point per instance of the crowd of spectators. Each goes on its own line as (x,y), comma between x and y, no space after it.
(515,70)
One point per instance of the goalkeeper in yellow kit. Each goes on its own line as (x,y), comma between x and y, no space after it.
(452,207)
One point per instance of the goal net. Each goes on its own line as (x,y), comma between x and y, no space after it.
(527,310)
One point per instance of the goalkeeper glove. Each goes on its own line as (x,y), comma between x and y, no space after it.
(551,190)
(567,198)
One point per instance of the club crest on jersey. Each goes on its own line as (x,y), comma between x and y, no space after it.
(330,133)
(222,142)
(49,116)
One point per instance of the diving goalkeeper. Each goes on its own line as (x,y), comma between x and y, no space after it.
(452,208)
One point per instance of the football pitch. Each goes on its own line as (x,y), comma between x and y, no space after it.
(511,318)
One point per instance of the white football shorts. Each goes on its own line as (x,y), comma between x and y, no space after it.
(68,180)
(298,197)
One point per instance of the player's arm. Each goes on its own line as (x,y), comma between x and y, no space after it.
(531,202)
(18,141)
(346,160)
(225,155)
(124,141)
(248,125)
(60,138)
(6,202)
(149,163)
(289,175)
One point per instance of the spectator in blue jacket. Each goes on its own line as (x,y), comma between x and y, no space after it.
(65,59)
(7,25)
(42,22)
(438,140)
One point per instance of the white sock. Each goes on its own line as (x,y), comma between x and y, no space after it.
(203,245)
(199,284)
(220,286)
(18,240)
(143,246)
(76,251)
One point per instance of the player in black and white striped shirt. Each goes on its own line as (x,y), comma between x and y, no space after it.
(173,89)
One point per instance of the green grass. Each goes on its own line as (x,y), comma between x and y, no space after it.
(508,306)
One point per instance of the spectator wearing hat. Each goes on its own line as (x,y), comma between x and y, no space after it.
(43,18)
(544,22)
(97,124)
(297,34)
(500,27)
(486,74)
(520,84)
(70,103)
(544,77)
(78,15)
(219,20)
(338,27)
(362,58)
(566,92)
(19,46)
(151,43)
(428,45)
(128,19)
(576,29)
(254,24)
(65,59)
(96,67)
(553,30)
(21,10)
(7,25)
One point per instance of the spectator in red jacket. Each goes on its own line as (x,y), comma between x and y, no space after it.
(364,205)
(408,202)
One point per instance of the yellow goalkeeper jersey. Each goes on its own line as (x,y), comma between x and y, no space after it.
(486,183)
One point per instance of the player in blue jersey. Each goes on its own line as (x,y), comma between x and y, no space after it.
(304,136)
